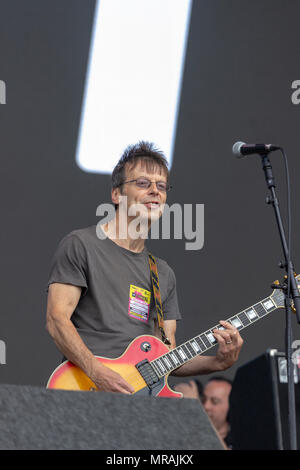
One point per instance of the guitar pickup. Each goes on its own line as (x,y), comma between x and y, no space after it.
(148,373)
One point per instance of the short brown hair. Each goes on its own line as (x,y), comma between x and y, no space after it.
(145,151)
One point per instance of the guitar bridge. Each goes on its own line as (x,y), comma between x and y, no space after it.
(148,373)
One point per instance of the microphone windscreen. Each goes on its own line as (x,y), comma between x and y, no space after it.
(236,149)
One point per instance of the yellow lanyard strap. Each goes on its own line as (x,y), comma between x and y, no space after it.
(157,297)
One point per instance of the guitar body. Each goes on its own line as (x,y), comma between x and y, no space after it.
(67,376)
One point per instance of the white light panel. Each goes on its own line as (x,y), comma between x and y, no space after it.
(133,82)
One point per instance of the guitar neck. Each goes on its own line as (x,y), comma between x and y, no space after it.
(198,345)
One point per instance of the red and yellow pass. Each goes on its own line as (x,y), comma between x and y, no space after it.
(139,303)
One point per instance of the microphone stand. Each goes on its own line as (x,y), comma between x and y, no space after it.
(290,291)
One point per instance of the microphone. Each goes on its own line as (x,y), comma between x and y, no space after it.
(240,149)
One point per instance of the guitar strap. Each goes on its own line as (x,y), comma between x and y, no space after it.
(157,297)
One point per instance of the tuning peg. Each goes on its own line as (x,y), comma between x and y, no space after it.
(295,275)
(293,307)
(275,285)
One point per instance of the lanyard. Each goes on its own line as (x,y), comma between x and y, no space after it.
(157,297)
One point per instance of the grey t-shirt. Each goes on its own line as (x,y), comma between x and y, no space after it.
(116,303)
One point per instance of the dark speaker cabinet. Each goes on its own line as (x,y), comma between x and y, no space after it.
(259,403)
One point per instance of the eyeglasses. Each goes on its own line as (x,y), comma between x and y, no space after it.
(144,183)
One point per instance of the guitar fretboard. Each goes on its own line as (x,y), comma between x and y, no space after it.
(205,341)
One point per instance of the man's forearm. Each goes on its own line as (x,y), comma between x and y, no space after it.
(197,366)
(71,345)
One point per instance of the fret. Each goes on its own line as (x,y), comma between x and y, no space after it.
(172,361)
(167,361)
(190,348)
(161,366)
(260,309)
(186,350)
(182,354)
(190,354)
(162,361)
(200,343)
(195,346)
(156,368)
(244,319)
(268,304)
(211,337)
(252,315)
(174,358)
(178,356)
(236,322)
(205,341)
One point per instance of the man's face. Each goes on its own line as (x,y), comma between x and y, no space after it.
(151,200)
(216,401)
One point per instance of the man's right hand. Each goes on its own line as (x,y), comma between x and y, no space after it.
(107,380)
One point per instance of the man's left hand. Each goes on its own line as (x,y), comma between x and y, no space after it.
(230,344)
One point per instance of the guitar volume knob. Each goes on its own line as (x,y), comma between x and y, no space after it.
(145,346)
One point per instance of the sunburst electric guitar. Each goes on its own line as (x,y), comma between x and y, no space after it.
(147,361)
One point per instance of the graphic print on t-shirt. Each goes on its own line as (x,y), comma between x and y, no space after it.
(139,303)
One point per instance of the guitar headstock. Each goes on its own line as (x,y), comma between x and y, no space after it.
(278,294)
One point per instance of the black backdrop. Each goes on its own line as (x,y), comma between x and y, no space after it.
(242,58)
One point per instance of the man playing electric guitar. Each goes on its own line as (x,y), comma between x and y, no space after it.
(100,294)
